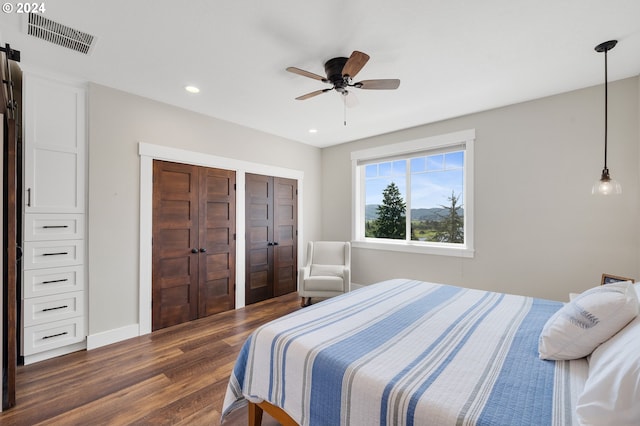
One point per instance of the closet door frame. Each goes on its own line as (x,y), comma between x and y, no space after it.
(148,153)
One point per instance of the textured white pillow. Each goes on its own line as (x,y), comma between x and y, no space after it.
(588,320)
(611,394)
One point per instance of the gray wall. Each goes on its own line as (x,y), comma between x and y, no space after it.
(538,229)
(118,121)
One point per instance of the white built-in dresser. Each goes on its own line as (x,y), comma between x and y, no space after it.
(54,296)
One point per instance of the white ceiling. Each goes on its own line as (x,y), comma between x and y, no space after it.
(453,57)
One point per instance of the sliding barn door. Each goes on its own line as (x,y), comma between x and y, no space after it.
(271,237)
(11,106)
(193,242)
(11,236)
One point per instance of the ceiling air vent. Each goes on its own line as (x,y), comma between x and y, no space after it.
(62,35)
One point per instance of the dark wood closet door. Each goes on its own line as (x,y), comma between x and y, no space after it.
(217,241)
(175,243)
(272,237)
(259,238)
(194,248)
(285,216)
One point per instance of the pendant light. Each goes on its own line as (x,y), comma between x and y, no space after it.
(606,185)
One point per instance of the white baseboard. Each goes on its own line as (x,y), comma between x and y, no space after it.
(52,353)
(112,336)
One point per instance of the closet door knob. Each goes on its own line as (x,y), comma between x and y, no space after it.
(194,250)
(203,250)
(275,243)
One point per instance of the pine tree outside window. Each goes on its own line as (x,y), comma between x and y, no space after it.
(416,196)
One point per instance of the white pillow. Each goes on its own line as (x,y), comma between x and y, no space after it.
(588,320)
(611,394)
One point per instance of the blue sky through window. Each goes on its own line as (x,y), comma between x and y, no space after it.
(433,178)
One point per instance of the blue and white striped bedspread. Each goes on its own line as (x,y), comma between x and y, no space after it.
(405,352)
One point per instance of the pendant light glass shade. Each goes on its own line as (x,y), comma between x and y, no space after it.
(605,185)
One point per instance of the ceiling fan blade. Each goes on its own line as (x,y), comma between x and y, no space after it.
(306,74)
(384,84)
(312,94)
(354,64)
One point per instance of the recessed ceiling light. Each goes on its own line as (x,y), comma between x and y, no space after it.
(192,89)
(313,130)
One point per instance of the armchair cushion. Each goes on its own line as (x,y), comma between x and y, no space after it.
(326,270)
(328,284)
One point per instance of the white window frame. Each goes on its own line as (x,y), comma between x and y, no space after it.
(382,153)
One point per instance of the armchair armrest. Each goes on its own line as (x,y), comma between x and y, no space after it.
(303,274)
(346,277)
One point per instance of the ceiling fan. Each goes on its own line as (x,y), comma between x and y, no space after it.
(340,73)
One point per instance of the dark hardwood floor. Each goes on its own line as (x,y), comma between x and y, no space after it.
(174,376)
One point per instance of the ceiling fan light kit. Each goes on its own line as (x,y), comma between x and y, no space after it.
(334,70)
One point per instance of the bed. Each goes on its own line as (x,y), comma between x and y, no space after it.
(406,352)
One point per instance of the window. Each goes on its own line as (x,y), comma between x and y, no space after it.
(416,196)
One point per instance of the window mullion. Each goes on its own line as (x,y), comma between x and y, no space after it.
(408,196)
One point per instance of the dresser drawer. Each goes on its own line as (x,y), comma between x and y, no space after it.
(46,227)
(43,282)
(50,254)
(43,337)
(39,310)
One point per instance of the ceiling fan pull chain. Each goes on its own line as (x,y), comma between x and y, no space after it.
(344,105)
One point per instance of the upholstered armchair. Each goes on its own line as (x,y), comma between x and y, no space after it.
(327,271)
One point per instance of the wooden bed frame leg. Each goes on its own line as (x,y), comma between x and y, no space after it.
(256,410)
(255,415)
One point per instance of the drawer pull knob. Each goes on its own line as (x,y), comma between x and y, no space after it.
(55,281)
(55,254)
(54,226)
(53,309)
(55,335)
